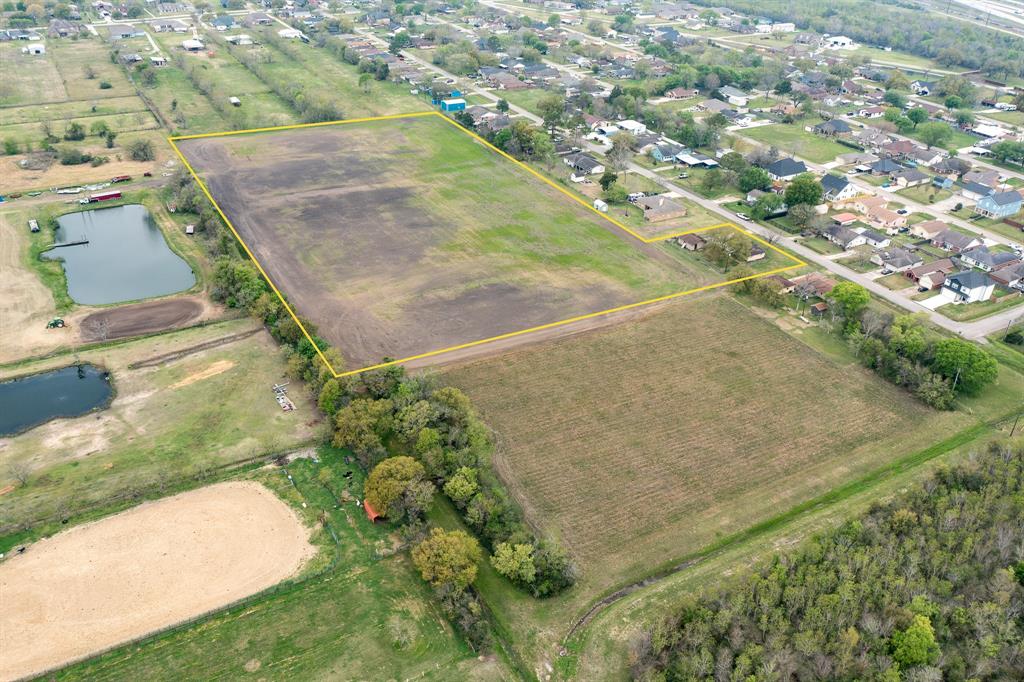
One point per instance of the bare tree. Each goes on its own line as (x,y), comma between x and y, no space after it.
(20,471)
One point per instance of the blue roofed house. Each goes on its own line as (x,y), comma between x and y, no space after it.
(999,205)
(666,151)
(223,22)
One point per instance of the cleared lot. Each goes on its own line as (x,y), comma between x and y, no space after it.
(404,237)
(160,563)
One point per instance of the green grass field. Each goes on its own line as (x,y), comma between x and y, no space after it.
(792,138)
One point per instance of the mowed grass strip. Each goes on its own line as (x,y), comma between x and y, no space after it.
(794,139)
(641,444)
(28,79)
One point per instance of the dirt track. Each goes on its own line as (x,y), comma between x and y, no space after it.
(140,319)
(106,582)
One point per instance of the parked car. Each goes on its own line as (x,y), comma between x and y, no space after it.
(743,216)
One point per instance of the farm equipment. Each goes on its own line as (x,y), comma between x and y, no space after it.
(56,323)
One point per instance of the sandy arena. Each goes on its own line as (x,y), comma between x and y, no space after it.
(106,582)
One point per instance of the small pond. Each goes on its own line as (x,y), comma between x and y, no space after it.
(38,398)
(126,257)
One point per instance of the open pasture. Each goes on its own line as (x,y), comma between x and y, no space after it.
(639,444)
(157,564)
(406,236)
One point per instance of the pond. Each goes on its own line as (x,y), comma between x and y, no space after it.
(126,257)
(38,398)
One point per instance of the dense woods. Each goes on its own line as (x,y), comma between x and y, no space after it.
(927,587)
(903,26)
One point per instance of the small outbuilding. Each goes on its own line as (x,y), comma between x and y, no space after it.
(371,513)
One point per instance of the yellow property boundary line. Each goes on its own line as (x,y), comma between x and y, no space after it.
(646,240)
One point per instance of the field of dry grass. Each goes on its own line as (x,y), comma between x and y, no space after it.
(639,444)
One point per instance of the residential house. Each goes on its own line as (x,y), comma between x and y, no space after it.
(866,204)
(691,242)
(844,237)
(928,229)
(785,169)
(968,287)
(694,159)
(813,284)
(833,128)
(680,93)
(192,45)
(926,157)
(983,258)
(125,32)
(999,205)
(909,177)
(169,26)
(583,164)
(223,22)
(257,19)
(890,221)
(660,207)
(715,106)
(62,28)
(896,260)
(922,88)
(666,152)
(734,96)
(957,242)
(1011,276)
(838,188)
(975,191)
(885,167)
(988,178)
(879,241)
(929,276)
(871,112)
(844,219)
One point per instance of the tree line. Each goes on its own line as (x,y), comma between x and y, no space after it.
(901,26)
(927,587)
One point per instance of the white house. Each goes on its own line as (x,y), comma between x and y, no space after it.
(734,96)
(968,287)
(192,45)
(631,126)
(35,48)
(840,43)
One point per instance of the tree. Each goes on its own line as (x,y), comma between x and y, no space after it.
(954,102)
(74,131)
(916,645)
(552,110)
(361,426)
(99,129)
(917,116)
(969,368)
(515,562)
(608,179)
(622,150)
(503,106)
(365,82)
(399,42)
(462,486)
(727,247)
(448,559)
(140,150)
(897,99)
(397,489)
(754,178)
(766,205)
(965,118)
(897,81)
(850,298)
(554,21)
(804,189)
(733,161)
(616,194)
(935,134)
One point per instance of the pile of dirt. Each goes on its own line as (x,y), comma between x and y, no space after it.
(38,161)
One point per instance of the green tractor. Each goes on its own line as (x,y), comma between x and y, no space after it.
(55,323)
